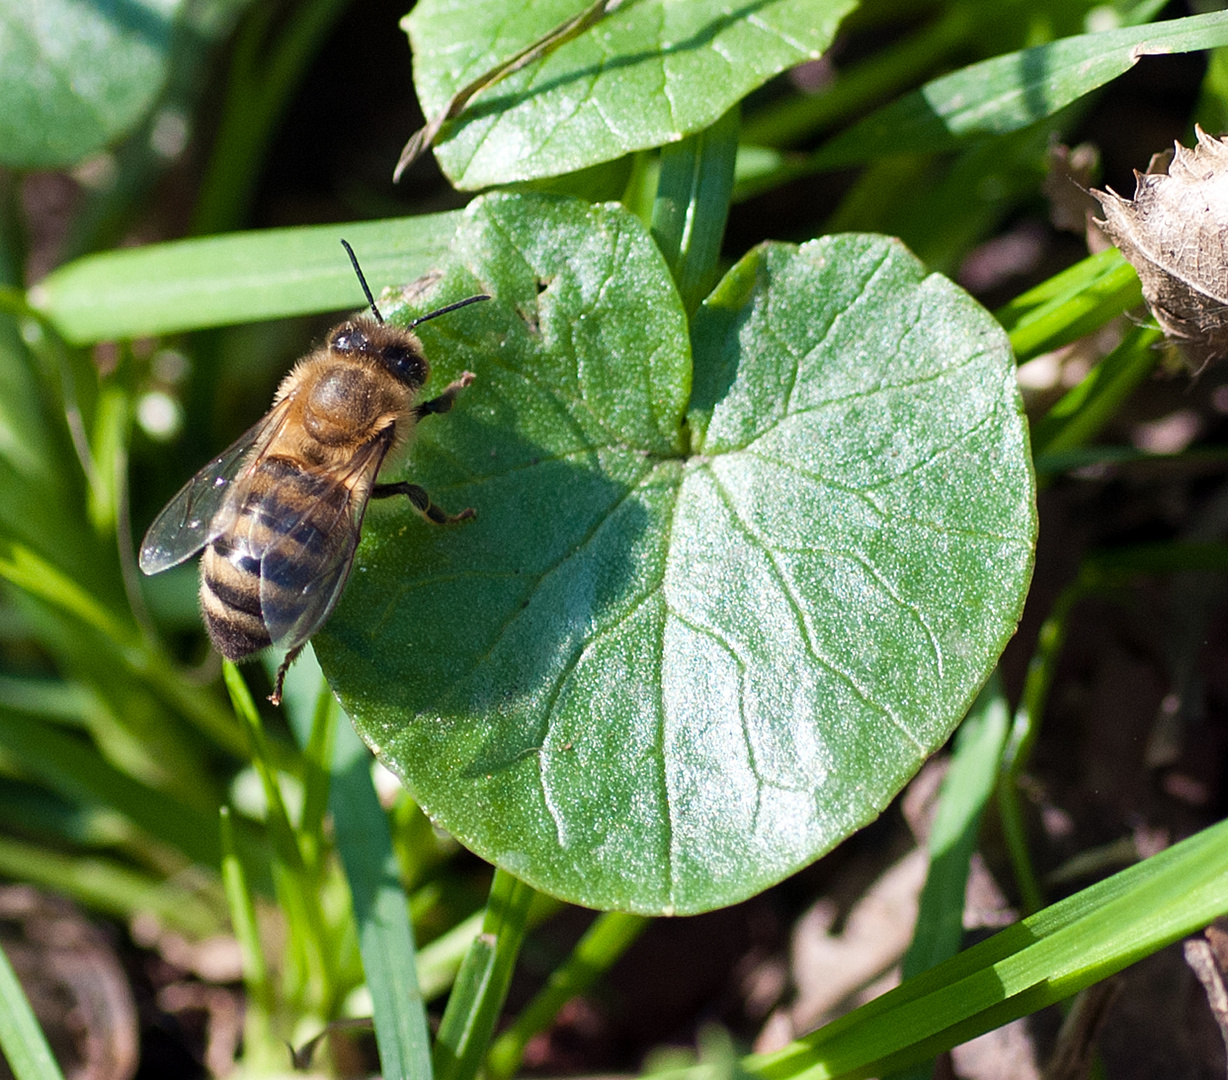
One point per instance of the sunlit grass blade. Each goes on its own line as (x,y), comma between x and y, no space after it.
(22,1040)
(1012,91)
(1086,408)
(235,278)
(1044,959)
(1069,305)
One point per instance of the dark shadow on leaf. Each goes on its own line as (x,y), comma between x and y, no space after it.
(477,636)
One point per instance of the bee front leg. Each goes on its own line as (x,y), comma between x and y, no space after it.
(443,403)
(421,501)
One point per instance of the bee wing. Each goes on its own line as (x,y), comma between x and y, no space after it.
(296,592)
(192,518)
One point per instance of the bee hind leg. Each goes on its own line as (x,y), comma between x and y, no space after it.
(421,502)
(291,656)
(443,403)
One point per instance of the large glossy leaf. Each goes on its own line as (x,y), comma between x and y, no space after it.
(651,73)
(693,639)
(77,75)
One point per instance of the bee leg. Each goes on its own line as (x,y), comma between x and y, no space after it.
(443,403)
(422,501)
(291,656)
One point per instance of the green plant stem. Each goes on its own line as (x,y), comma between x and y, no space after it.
(606,940)
(257,93)
(1025,729)
(481,985)
(692,206)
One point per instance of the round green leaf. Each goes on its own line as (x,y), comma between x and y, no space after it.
(693,639)
(652,72)
(75,75)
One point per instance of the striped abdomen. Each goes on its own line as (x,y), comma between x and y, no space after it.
(253,578)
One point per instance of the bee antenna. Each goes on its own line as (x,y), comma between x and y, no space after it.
(363,282)
(450,307)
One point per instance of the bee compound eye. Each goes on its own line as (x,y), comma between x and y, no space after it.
(405,363)
(348,338)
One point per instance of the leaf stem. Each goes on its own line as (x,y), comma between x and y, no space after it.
(481,985)
(611,934)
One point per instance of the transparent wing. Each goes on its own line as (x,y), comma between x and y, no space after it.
(193,517)
(303,571)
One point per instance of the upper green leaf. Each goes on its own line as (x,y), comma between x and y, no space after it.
(651,73)
(76,75)
(1010,92)
(680,654)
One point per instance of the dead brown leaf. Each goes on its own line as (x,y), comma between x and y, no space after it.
(1174,232)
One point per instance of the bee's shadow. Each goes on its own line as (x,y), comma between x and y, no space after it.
(473,633)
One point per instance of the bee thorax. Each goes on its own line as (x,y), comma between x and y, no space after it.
(343,403)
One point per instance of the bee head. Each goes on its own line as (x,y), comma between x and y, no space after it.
(396,350)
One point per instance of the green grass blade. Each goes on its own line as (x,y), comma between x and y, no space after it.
(441,960)
(70,765)
(385,934)
(22,1040)
(107,886)
(297,885)
(692,206)
(1044,959)
(1076,418)
(236,278)
(259,1046)
(1012,91)
(1070,304)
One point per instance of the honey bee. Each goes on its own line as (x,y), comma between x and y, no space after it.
(279,512)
